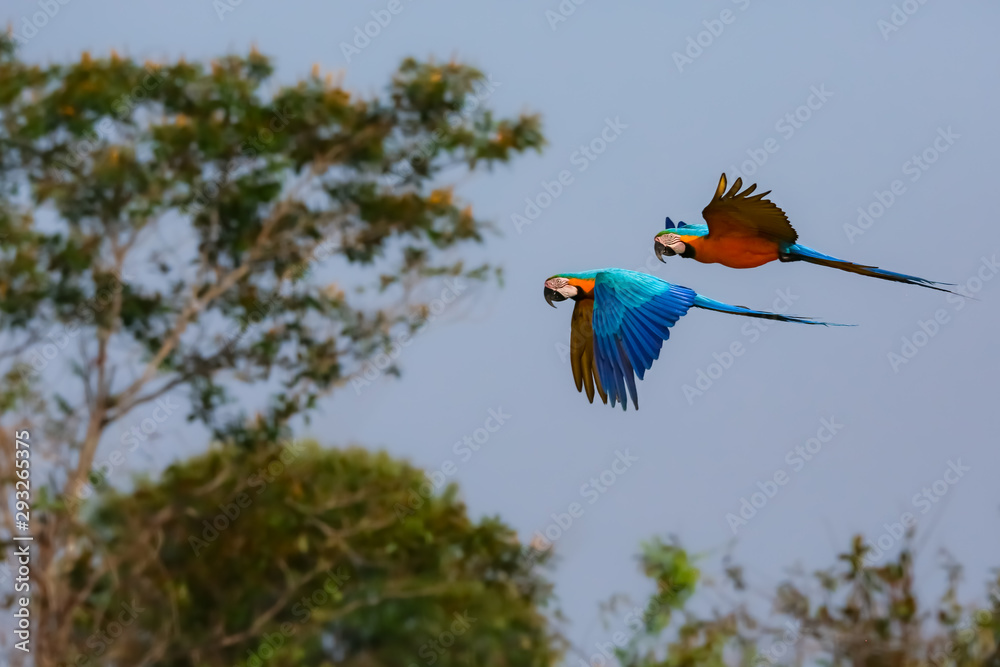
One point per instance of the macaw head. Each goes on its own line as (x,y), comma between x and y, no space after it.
(558,288)
(668,243)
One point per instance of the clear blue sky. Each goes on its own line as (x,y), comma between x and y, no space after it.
(878,97)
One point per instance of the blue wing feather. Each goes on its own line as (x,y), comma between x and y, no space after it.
(633,313)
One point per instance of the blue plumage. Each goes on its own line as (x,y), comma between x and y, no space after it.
(795,251)
(632,316)
(633,313)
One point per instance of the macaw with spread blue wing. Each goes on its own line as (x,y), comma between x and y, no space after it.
(745,232)
(620,321)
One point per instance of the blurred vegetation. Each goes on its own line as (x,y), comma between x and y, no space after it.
(290,554)
(853,614)
(300,556)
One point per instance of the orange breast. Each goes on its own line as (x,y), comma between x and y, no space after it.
(736,252)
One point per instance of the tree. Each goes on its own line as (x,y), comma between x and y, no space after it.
(173,228)
(264,187)
(858,613)
(295,555)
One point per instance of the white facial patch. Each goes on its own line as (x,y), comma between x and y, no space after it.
(673,241)
(567,290)
(561,286)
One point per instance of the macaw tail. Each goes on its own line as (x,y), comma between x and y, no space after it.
(719,307)
(796,252)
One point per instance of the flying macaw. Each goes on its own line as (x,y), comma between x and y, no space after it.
(744,232)
(620,321)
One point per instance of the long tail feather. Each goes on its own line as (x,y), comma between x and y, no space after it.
(802,253)
(719,307)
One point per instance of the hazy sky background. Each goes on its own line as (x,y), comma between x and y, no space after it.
(889,97)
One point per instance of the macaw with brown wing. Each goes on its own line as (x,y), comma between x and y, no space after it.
(745,232)
(620,321)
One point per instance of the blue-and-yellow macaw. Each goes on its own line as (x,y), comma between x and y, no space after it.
(620,321)
(744,232)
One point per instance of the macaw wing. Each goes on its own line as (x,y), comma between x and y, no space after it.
(736,213)
(633,313)
(581,350)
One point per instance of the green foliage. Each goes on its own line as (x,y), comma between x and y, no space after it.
(174,213)
(854,614)
(239,551)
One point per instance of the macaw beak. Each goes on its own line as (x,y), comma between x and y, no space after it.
(552,295)
(660,249)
